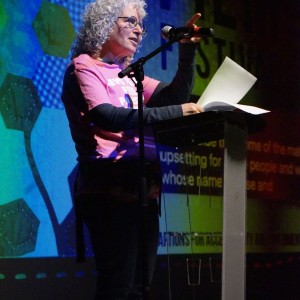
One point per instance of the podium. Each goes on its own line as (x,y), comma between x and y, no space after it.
(233,127)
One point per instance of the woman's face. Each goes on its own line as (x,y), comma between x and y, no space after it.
(124,39)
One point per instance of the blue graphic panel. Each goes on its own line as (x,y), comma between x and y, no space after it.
(38,158)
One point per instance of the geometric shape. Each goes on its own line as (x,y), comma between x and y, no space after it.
(19,103)
(61,275)
(54,29)
(18,229)
(20,276)
(41,276)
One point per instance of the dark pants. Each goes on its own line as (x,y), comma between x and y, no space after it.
(117,231)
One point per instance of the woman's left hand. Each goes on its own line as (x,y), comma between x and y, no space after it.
(191,23)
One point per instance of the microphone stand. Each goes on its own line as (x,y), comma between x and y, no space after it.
(136,70)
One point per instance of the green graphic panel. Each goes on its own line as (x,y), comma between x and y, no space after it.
(54,29)
(18,229)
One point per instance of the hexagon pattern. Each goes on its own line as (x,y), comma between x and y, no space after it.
(19,103)
(54,29)
(18,228)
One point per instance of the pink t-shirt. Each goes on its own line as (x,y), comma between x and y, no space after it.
(99,83)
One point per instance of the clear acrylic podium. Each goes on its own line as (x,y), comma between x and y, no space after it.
(233,127)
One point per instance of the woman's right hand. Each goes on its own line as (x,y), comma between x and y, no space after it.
(191,109)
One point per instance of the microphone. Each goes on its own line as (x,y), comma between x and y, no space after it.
(170,33)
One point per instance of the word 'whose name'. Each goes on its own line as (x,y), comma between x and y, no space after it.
(189,180)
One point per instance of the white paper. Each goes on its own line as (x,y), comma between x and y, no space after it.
(222,105)
(251,109)
(228,86)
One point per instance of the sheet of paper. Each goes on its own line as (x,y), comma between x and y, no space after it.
(226,106)
(230,83)
(251,109)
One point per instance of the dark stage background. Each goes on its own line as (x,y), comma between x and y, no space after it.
(38,160)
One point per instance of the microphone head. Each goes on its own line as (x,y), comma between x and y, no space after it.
(205,32)
(165,32)
(169,32)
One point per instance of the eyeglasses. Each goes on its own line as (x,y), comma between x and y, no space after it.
(133,22)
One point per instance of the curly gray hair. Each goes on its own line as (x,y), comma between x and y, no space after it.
(98,21)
